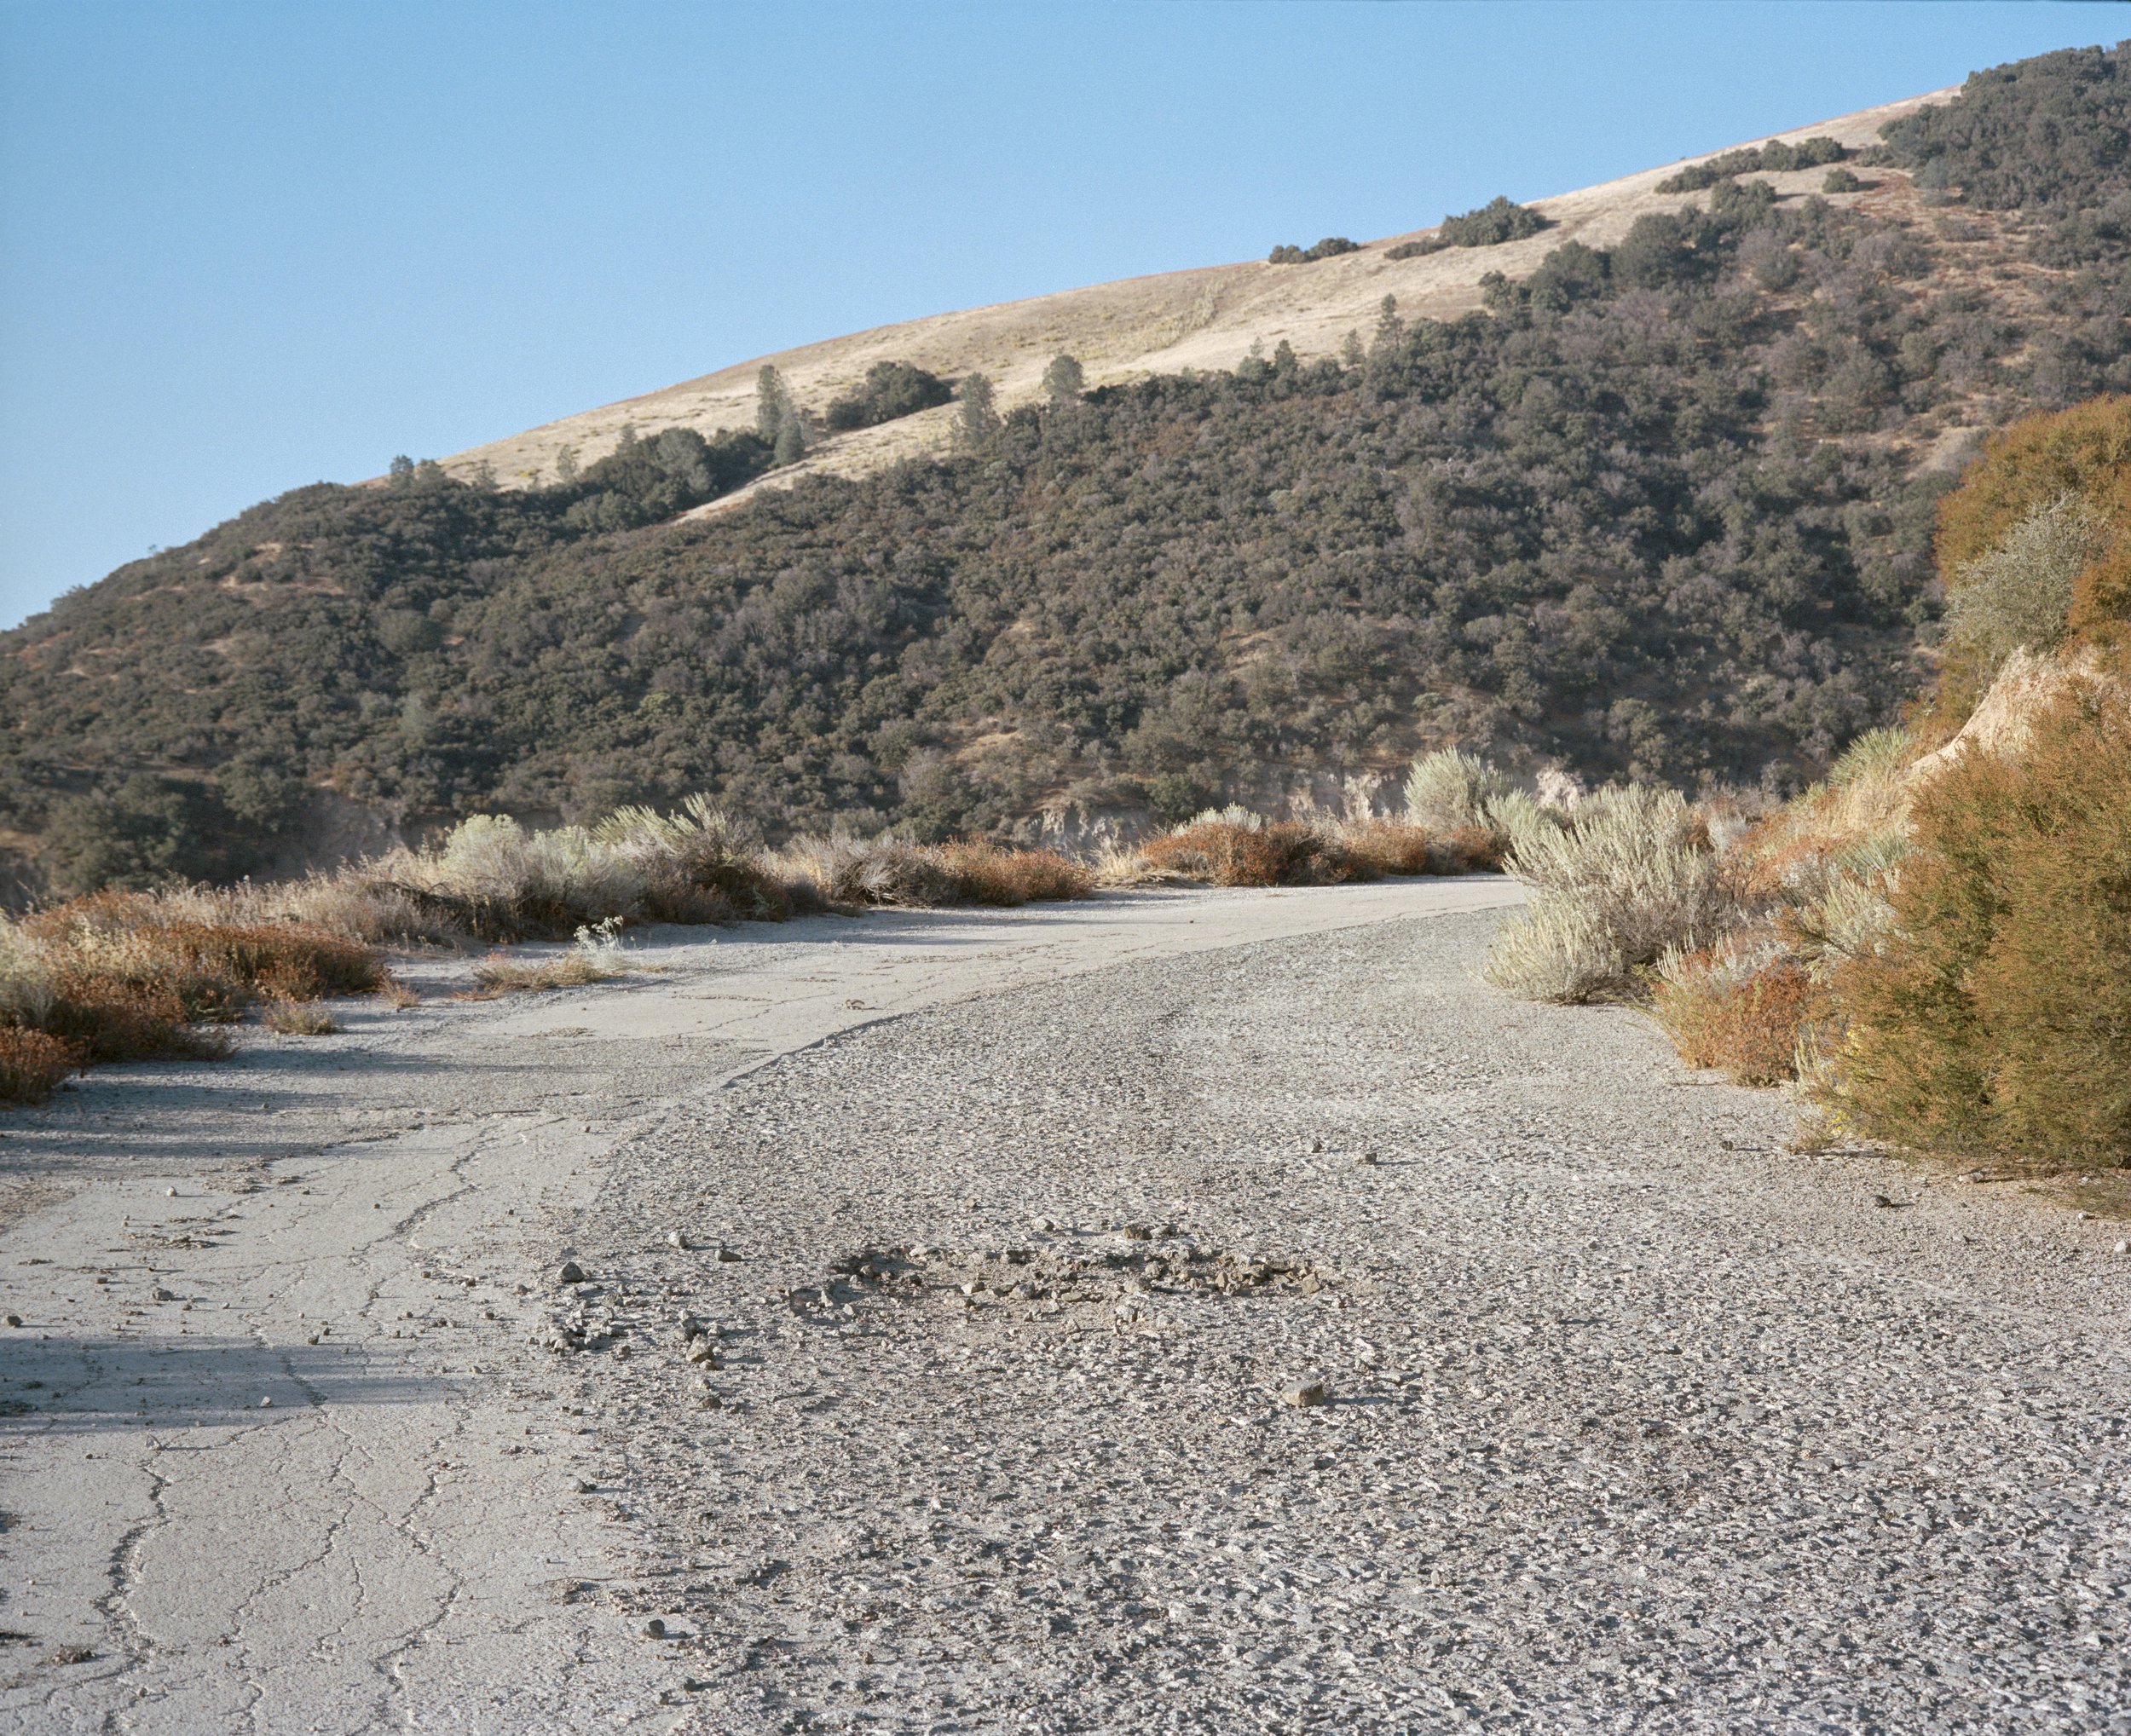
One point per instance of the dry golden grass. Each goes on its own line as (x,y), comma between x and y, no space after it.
(292,1018)
(131,977)
(33,1062)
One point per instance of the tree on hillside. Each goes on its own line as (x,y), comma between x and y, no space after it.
(980,419)
(1063,380)
(772,403)
(791,445)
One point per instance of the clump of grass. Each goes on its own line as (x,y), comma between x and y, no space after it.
(987,873)
(132,976)
(292,1018)
(398,994)
(699,865)
(597,956)
(1633,879)
(33,1062)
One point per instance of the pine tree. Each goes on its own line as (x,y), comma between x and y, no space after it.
(1389,327)
(790,444)
(772,403)
(979,418)
(1063,380)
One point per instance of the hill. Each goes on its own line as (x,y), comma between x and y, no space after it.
(1647,491)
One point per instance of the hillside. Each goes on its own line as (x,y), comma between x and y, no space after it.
(1124,331)
(1647,493)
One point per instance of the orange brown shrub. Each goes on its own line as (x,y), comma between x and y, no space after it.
(32,1065)
(1281,853)
(1998,1018)
(1745,1023)
(986,873)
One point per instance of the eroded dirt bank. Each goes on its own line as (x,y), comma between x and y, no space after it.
(943,1278)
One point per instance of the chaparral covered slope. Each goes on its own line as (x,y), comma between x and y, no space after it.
(1647,491)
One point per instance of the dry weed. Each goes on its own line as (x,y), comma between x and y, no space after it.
(33,1062)
(597,957)
(1231,852)
(1739,1006)
(292,1019)
(1633,879)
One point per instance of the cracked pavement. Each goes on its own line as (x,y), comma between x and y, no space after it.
(279,1446)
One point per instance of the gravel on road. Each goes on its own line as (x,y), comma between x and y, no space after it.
(1304,1338)
(1183,1311)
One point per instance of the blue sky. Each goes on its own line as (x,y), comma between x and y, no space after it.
(248,246)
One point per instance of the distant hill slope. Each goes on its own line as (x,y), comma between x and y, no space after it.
(1122,332)
(1655,498)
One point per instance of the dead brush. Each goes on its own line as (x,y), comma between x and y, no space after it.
(1739,1008)
(986,873)
(292,1018)
(597,957)
(844,870)
(1402,847)
(33,1062)
(1227,852)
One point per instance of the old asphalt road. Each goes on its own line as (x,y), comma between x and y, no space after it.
(1178,1312)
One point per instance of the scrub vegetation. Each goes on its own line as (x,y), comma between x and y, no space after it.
(1662,511)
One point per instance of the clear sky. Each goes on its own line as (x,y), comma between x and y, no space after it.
(248,246)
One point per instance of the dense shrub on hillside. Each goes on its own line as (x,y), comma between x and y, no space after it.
(2051,135)
(890,389)
(1998,1018)
(1330,248)
(1644,518)
(2034,545)
(1501,219)
(1774,157)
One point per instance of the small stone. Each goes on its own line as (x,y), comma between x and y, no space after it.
(1317,1145)
(727,1254)
(1138,1232)
(16,1319)
(1310,1393)
(1368,1158)
(170,1193)
(267,1403)
(586,1488)
(571,1273)
(1044,1224)
(654,1629)
(1881,1201)
(2121,1247)
(674,1239)
(702,1355)
(159,1294)
(71,1654)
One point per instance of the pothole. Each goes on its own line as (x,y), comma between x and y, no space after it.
(1035,1282)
